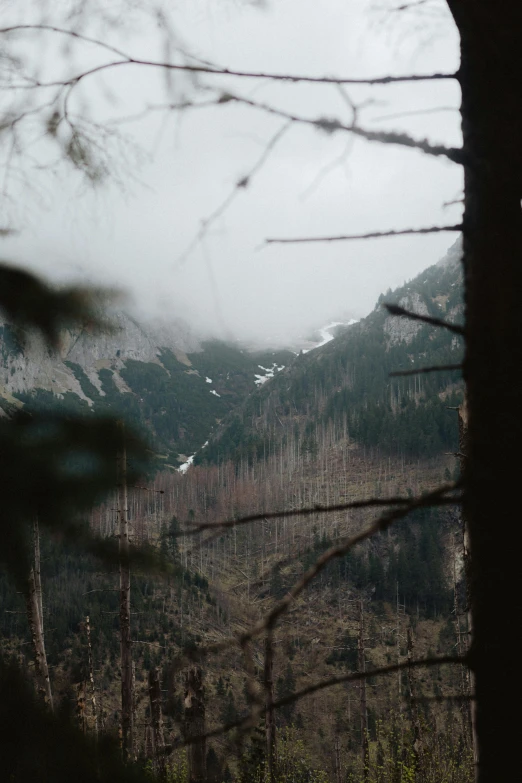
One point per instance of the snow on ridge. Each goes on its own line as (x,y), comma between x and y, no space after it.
(186,465)
(269,373)
(326,333)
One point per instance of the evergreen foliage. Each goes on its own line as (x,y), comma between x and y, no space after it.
(348,381)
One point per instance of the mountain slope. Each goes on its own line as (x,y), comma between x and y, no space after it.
(161,378)
(346,384)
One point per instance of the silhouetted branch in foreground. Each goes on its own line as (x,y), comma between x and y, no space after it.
(370,235)
(382,523)
(420,370)
(245,722)
(332,125)
(435,498)
(214,69)
(394,309)
(304,512)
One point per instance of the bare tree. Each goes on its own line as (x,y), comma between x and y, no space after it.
(127,728)
(35,618)
(194,725)
(156,720)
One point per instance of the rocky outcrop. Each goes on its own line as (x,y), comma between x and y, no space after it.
(402,329)
(33,366)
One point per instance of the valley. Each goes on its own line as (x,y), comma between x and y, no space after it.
(326,428)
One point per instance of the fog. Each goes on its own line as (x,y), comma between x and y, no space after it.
(171,171)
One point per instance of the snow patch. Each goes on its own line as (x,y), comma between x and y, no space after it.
(269,373)
(208,380)
(214,392)
(326,333)
(186,465)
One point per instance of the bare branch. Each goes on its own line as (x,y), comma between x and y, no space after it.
(437,497)
(420,370)
(241,723)
(358,676)
(240,185)
(298,512)
(371,235)
(427,319)
(329,125)
(214,70)
(414,113)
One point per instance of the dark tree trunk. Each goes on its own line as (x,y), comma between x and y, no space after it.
(491,82)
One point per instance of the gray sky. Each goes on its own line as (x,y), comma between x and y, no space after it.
(311,184)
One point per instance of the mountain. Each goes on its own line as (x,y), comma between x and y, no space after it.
(326,427)
(161,377)
(346,383)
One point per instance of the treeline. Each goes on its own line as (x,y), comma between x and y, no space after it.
(348,381)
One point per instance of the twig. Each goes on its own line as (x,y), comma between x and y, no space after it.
(240,185)
(394,309)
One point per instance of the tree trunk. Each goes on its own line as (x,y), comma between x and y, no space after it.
(491,83)
(125,630)
(91,676)
(270,728)
(194,725)
(35,619)
(365,748)
(463,447)
(415,717)
(157,740)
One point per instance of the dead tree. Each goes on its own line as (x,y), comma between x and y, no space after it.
(80,705)
(365,747)
(194,725)
(35,619)
(127,728)
(156,738)
(270,727)
(415,717)
(91,675)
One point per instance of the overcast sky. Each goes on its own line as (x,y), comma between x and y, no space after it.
(311,184)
